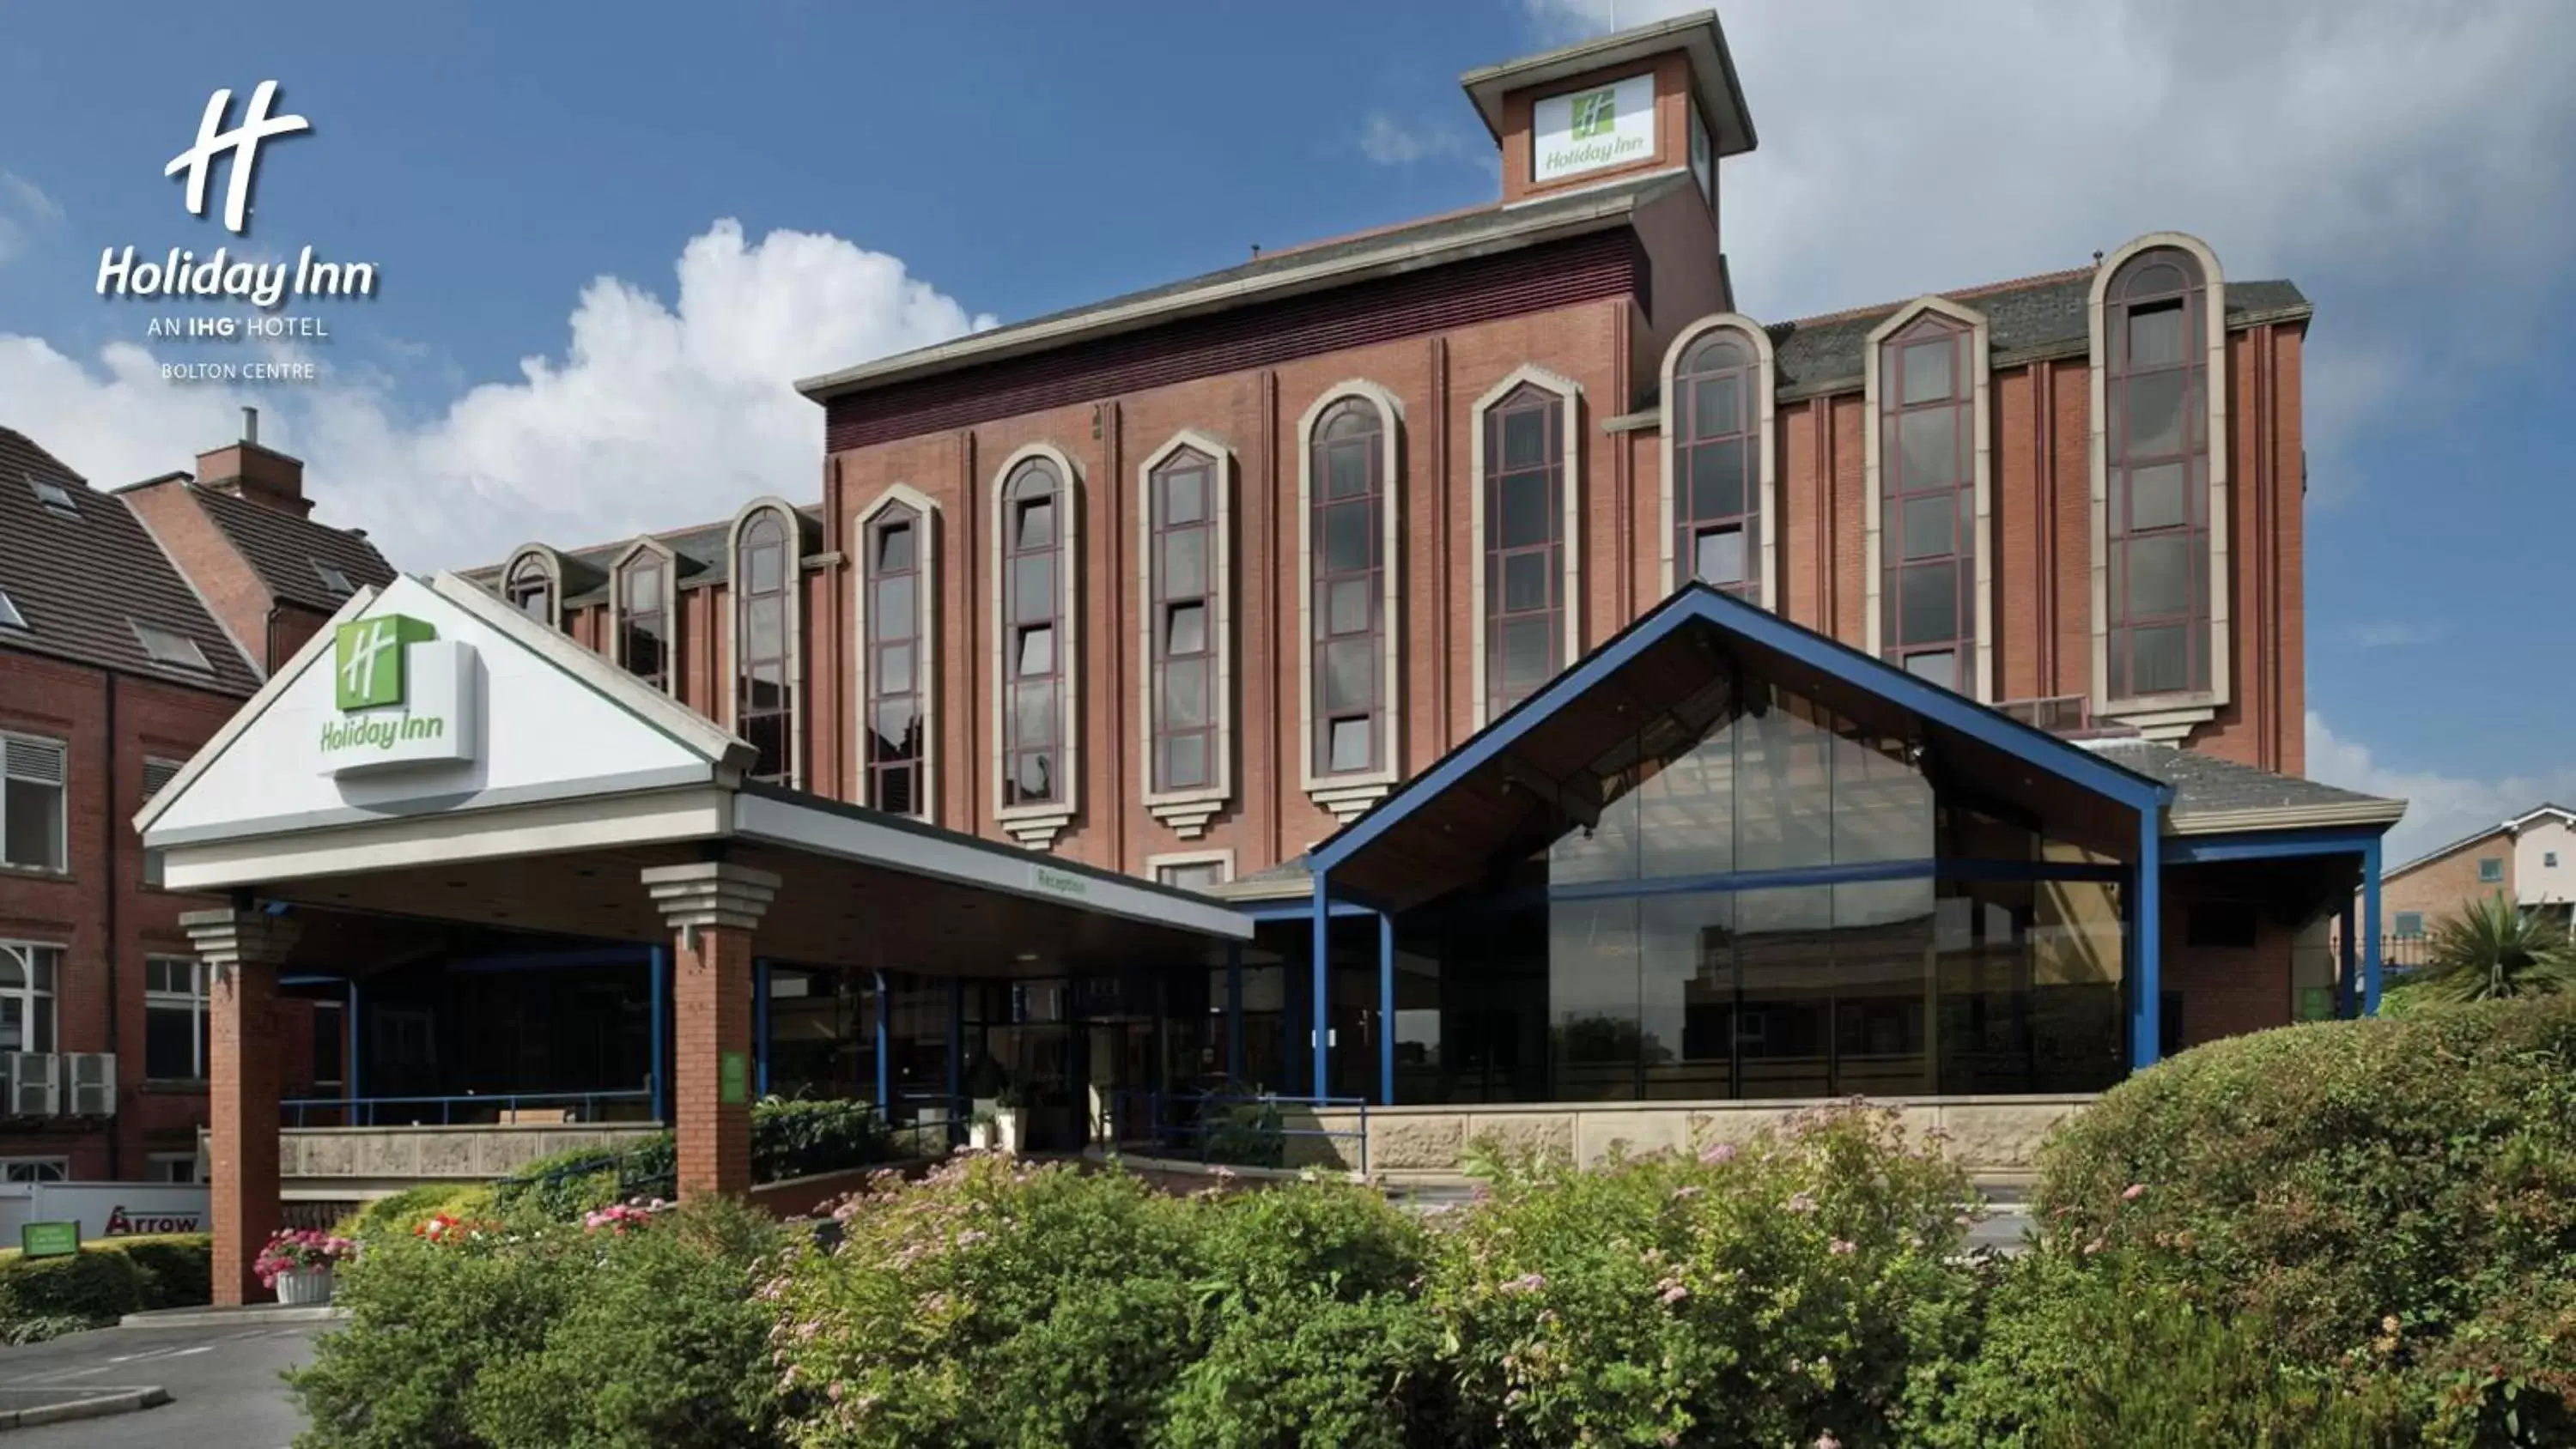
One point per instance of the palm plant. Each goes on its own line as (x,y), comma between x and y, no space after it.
(2491,951)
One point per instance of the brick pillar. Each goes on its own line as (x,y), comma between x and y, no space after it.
(712,910)
(242,950)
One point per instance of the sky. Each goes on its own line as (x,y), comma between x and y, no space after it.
(607,240)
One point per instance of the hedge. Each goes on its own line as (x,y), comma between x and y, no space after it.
(788,1140)
(111,1277)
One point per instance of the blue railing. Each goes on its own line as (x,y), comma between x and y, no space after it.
(1224,1129)
(471,1109)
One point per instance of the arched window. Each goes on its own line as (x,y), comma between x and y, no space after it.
(764,698)
(1713,406)
(531,590)
(2157,462)
(1523,510)
(897,667)
(644,618)
(1035,667)
(1347,499)
(1186,623)
(1927,501)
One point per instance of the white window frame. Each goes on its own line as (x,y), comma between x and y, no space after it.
(549,563)
(1037,825)
(1157,865)
(61,787)
(1569,395)
(926,659)
(193,1001)
(35,1169)
(160,1164)
(1187,811)
(793,569)
(36,1003)
(616,639)
(1873,444)
(1766,438)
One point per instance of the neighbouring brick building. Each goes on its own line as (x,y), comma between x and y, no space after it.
(133,624)
(2529,860)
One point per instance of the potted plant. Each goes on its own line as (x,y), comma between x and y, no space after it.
(1008,1117)
(982,1132)
(298,1264)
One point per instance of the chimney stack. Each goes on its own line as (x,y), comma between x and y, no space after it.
(253,473)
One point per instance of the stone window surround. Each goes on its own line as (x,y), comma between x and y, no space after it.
(616,640)
(1766,439)
(2165,717)
(1038,825)
(1154,863)
(1347,795)
(1188,811)
(925,665)
(545,561)
(1569,395)
(1873,446)
(792,573)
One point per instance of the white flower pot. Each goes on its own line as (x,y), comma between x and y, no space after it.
(979,1135)
(304,1286)
(1006,1130)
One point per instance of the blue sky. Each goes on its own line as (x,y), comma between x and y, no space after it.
(607,237)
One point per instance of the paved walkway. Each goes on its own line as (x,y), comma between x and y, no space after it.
(222,1378)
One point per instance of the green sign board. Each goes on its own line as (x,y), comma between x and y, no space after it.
(368,659)
(1059,883)
(49,1240)
(733,1080)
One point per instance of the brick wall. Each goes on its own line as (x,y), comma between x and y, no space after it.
(2442,887)
(218,572)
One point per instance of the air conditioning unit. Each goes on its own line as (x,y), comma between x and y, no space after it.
(33,1087)
(89,1083)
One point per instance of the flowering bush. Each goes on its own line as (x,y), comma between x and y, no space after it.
(1786,1290)
(298,1250)
(622,1217)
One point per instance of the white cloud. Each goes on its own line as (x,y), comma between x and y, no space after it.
(656,414)
(24,208)
(2395,635)
(1390,142)
(2440,808)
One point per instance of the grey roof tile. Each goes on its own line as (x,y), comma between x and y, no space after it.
(2207,785)
(84,582)
(283,549)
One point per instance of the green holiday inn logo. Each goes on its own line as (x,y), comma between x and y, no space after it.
(1596,113)
(370,661)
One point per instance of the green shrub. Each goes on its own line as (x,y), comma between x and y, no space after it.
(2347,1185)
(178,1268)
(800,1139)
(1309,1369)
(91,1289)
(788,1139)
(400,1213)
(1775,1293)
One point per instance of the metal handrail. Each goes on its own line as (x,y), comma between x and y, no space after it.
(1193,1130)
(364,1111)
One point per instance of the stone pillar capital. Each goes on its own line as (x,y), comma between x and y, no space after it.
(241,938)
(711,893)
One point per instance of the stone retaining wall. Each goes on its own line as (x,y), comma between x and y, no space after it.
(346,1162)
(1991,1135)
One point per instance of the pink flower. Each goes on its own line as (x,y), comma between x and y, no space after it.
(1684,1194)
(1526,1283)
(1843,1248)
(1803,1202)
(2136,1191)
(1674,1292)
(1826,1440)
(1722,1153)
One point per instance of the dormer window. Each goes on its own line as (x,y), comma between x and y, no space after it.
(54,496)
(531,590)
(164,647)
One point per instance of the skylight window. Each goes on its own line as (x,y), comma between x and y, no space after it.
(54,496)
(334,580)
(10,618)
(165,647)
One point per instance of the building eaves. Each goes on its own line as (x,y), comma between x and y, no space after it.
(2211,794)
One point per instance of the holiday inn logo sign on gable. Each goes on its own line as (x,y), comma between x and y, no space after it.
(400,696)
(1592,129)
(1596,113)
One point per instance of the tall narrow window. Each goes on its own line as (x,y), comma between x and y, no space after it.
(2157,530)
(1524,527)
(174,1019)
(1348,498)
(1033,659)
(531,590)
(32,816)
(27,973)
(1927,502)
(1183,618)
(1717,494)
(764,701)
(896,668)
(644,619)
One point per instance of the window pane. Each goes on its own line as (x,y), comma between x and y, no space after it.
(2155,335)
(1928,370)
(2159,575)
(1347,545)
(767,625)
(1037,652)
(2159,660)
(894,548)
(1927,445)
(1185,629)
(1033,587)
(644,590)
(1036,524)
(2157,498)
(894,791)
(895,721)
(1185,564)
(1033,716)
(31,833)
(1347,607)
(1346,469)
(2154,413)
(1717,479)
(1185,761)
(1714,354)
(768,688)
(169,1043)
(894,669)
(1032,777)
(1929,606)
(1717,406)
(1184,497)
(1524,582)
(767,734)
(1350,674)
(1720,556)
(1529,654)
(1524,438)
(892,617)
(1939,666)
(1185,694)
(1524,510)
(1349,745)
(767,569)
(1928,527)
